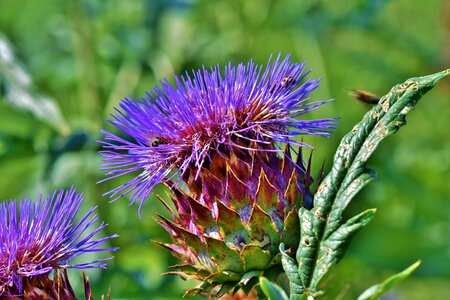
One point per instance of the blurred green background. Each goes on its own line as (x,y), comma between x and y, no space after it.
(65,64)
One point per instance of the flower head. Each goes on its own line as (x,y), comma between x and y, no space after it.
(177,127)
(38,238)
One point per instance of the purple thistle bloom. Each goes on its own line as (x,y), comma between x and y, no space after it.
(38,238)
(175,127)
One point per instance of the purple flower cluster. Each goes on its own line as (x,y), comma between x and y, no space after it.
(176,127)
(38,238)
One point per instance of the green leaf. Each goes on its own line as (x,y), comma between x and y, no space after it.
(375,291)
(324,237)
(333,248)
(358,145)
(272,290)
(342,201)
(291,268)
(306,253)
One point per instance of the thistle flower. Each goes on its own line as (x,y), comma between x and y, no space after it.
(176,127)
(228,138)
(43,237)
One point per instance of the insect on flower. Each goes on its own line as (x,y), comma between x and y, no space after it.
(156,141)
(286,82)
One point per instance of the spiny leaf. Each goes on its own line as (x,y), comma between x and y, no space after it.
(323,237)
(356,147)
(341,202)
(307,246)
(272,290)
(290,266)
(375,291)
(332,249)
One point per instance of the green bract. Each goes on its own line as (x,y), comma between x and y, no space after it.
(228,227)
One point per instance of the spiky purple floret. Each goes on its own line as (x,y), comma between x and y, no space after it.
(177,126)
(37,238)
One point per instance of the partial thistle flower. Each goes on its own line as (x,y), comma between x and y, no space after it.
(41,238)
(222,144)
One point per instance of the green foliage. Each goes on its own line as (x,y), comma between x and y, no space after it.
(20,93)
(86,55)
(324,234)
(375,291)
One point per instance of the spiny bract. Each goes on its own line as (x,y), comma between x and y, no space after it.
(239,209)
